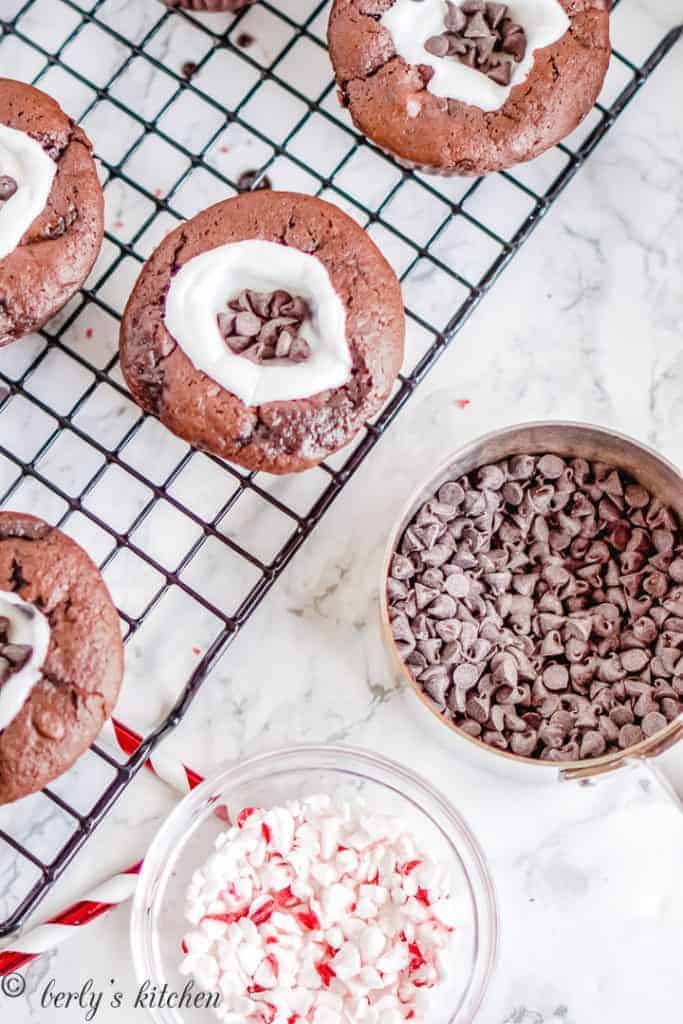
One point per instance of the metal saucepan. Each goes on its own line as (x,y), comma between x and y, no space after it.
(648,468)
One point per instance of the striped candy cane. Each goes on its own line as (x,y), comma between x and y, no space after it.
(62,926)
(115,890)
(170,770)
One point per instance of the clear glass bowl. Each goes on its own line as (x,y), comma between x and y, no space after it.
(186,839)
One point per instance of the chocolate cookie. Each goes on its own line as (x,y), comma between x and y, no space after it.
(51,209)
(58,622)
(466,88)
(265,330)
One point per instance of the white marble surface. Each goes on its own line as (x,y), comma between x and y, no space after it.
(585,324)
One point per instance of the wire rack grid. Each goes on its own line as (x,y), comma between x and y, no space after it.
(185,110)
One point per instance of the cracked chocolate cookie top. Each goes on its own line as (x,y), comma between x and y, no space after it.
(51,209)
(471,87)
(79,675)
(285,434)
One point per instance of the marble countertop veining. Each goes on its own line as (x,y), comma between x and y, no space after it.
(585,324)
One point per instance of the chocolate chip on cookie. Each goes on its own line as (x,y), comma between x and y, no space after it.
(403,93)
(357,324)
(482,36)
(265,325)
(8,186)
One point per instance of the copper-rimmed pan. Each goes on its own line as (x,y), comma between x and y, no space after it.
(567,439)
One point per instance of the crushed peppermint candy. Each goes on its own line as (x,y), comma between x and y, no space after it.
(322,912)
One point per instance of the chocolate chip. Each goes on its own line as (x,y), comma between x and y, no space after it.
(437,45)
(451,493)
(636,496)
(244,40)
(448,629)
(13,656)
(676,570)
(246,324)
(477,26)
(634,660)
(456,17)
(17,654)
(524,743)
(254,327)
(593,744)
(457,585)
(402,568)
(478,709)
(495,739)
(435,682)
(444,607)
(515,44)
(495,13)
(653,722)
(670,708)
(8,186)
(188,69)
(490,478)
(479,35)
(501,73)
(556,677)
(551,735)
(396,590)
(471,728)
(252,180)
(629,735)
(466,676)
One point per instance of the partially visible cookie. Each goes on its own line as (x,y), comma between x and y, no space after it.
(266,330)
(468,87)
(51,209)
(61,656)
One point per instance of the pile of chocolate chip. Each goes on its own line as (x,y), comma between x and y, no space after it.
(266,325)
(13,657)
(538,601)
(482,36)
(8,186)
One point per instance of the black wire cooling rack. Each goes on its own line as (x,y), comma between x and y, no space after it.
(185,110)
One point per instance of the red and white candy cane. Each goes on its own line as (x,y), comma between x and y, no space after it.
(170,770)
(65,925)
(115,890)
